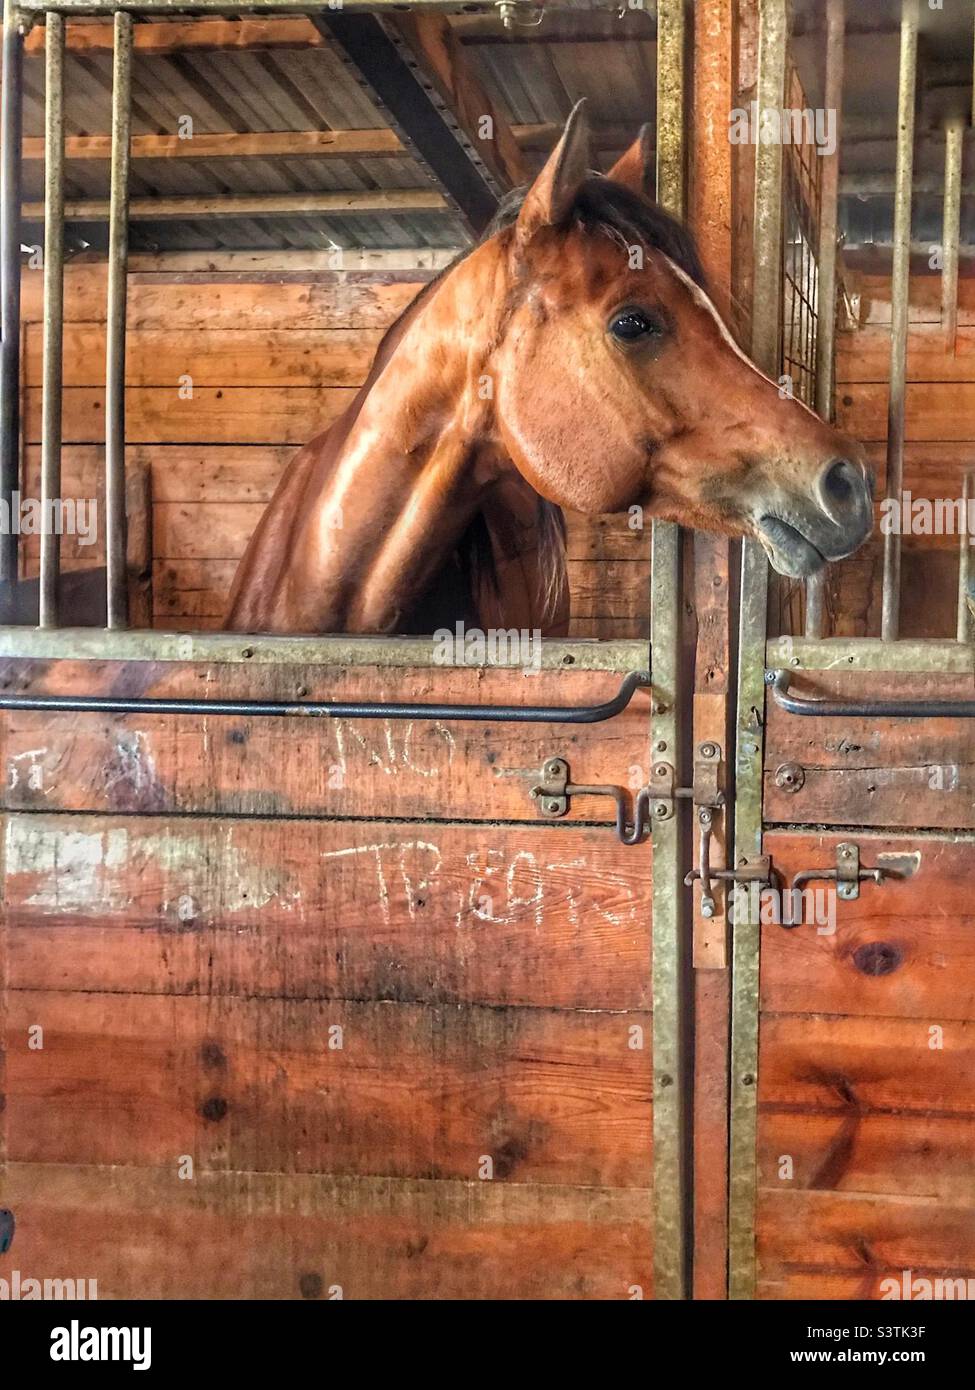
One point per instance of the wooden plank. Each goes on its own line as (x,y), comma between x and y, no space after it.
(610,588)
(933,410)
(312,910)
(202,34)
(606,537)
(264,144)
(228,300)
(144,1234)
(191,589)
(864,355)
(924,299)
(335,767)
(841,1245)
(245,357)
(232,415)
(867,1106)
(227,474)
(413,1091)
(160,208)
(904,950)
(873,772)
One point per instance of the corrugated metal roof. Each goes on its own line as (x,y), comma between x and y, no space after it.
(534,76)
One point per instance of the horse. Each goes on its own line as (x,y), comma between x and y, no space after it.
(571,359)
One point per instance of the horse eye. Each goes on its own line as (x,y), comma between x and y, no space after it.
(633,324)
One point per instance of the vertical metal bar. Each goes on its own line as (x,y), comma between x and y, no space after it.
(899,292)
(53,316)
(11,130)
(670,1069)
(965,598)
(826,297)
(951,231)
(773,45)
(767,257)
(816,605)
(118,234)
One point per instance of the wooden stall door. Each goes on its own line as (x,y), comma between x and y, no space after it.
(323,1008)
(866,1124)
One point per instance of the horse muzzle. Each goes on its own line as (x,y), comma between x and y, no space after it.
(800,533)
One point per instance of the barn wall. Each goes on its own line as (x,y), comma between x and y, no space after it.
(274,347)
(940,435)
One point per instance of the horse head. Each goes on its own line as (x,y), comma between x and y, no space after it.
(618,384)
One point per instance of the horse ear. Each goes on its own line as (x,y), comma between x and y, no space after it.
(550,198)
(636,168)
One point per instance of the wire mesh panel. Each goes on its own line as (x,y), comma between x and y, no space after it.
(802,184)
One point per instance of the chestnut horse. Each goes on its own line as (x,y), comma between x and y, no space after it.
(571,359)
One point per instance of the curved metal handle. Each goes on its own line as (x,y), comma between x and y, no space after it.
(329,709)
(779,681)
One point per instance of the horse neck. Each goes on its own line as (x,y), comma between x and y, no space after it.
(380,514)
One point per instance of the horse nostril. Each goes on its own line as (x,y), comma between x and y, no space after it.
(837,484)
(843,487)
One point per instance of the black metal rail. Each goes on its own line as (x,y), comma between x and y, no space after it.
(333,709)
(778,682)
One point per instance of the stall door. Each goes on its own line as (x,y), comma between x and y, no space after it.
(866,1094)
(330,1008)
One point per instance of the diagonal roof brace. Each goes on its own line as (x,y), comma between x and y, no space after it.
(416,110)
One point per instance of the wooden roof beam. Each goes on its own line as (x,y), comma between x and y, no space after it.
(295,144)
(162,37)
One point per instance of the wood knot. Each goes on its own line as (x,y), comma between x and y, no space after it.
(877,958)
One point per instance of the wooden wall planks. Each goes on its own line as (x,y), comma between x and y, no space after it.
(189,966)
(867,1077)
(272,357)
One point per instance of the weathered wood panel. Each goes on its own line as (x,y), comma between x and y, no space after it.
(336,767)
(240,357)
(189,973)
(339,1086)
(935,410)
(904,950)
(867,1077)
(863,355)
(146,1234)
(554,918)
(873,772)
(838,1245)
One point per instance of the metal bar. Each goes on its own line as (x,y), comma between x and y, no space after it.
(966,588)
(954,130)
(234,648)
(53,317)
(181,7)
(767,309)
(899,292)
(671,1068)
(778,682)
(816,604)
(11,124)
(944,656)
(767,253)
(330,709)
(115,345)
(828,219)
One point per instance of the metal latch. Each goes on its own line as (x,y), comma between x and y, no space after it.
(848,874)
(554,790)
